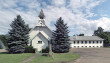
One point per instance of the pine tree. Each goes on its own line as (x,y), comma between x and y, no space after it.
(18,36)
(60,42)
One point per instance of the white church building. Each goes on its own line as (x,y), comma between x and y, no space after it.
(40,35)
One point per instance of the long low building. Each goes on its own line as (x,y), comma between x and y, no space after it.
(86,42)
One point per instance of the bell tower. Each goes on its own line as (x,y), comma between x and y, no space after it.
(41,21)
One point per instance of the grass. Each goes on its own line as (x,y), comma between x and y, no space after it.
(63,57)
(18,58)
(14,58)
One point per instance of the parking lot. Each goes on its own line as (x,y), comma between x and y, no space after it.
(92,55)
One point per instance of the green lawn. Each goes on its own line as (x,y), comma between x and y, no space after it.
(18,58)
(14,58)
(57,58)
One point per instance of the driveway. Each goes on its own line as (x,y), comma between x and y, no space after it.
(92,55)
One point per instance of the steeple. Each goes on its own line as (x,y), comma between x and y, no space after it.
(41,21)
(41,15)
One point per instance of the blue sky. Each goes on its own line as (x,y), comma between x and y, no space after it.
(102,10)
(82,16)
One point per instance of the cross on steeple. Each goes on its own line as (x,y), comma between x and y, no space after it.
(41,15)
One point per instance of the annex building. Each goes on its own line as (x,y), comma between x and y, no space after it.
(86,42)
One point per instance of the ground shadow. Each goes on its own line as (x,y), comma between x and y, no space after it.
(4,53)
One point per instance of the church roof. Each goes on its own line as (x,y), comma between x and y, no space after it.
(41,34)
(85,38)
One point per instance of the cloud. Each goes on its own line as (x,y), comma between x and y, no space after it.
(74,12)
(58,2)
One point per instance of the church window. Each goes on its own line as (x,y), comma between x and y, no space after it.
(39,42)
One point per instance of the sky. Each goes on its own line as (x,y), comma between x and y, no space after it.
(82,16)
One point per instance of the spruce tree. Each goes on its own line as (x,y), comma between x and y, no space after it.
(18,36)
(60,43)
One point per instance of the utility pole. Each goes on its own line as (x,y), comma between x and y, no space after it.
(50,49)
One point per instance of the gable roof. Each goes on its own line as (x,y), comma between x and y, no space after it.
(85,38)
(37,34)
(39,26)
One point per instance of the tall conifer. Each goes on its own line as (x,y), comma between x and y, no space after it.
(60,42)
(18,36)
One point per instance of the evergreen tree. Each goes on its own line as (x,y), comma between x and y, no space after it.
(105,35)
(18,36)
(81,35)
(60,42)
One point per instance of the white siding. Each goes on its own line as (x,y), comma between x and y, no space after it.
(40,33)
(35,44)
(86,45)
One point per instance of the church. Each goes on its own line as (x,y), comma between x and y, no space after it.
(40,35)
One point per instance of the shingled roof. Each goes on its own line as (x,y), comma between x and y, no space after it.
(85,38)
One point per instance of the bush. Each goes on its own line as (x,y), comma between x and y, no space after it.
(46,50)
(29,49)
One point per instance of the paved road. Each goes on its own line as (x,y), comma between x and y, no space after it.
(92,55)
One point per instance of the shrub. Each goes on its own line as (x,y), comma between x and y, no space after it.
(29,49)
(46,50)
